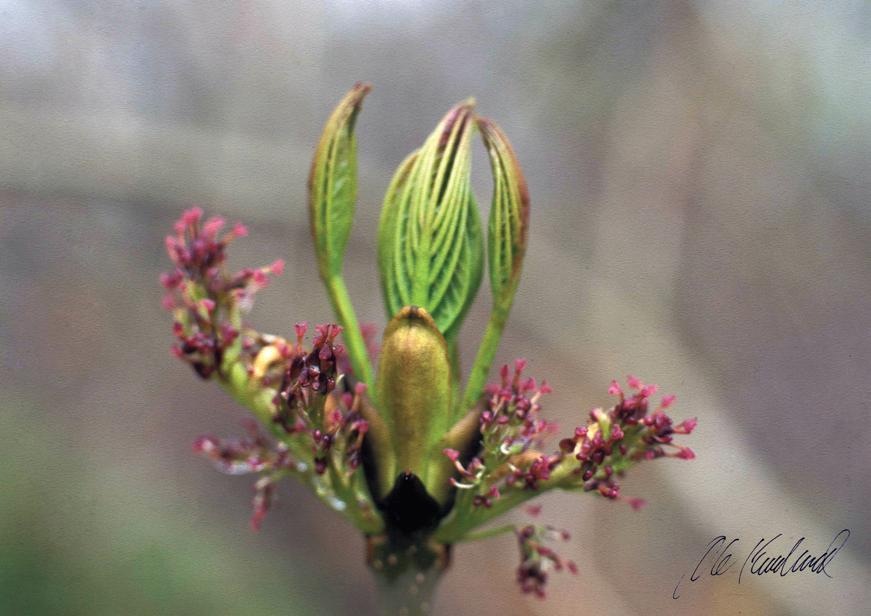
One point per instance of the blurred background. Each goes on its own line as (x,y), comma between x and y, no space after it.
(699,180)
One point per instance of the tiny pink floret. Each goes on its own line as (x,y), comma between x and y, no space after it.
(277,267)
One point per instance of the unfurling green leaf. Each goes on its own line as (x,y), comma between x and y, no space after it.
(414,394)
(509,215)
(506,245)
(333,183)
(332,188)
(430,245)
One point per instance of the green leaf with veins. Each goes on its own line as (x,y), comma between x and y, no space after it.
(333,183)
(430,243)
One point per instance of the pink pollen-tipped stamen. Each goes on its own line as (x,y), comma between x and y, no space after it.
(615,389)
(213,226)
(648,390)
(686,453)
(686,426)
(637,503)
(239,230)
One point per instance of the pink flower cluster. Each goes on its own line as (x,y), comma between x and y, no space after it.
(510,426)
(627,433)
(592,459)
(202,295)
(306,402)
(307,397)
(536,558)
(254,453)
(511,414)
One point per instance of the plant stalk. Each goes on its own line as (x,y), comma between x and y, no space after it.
(406,574)
(354,343)
(484,359)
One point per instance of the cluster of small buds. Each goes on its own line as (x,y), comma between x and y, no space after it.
(309,376)
(592,459)
(538,470)
(470,475)
(536,559)
(307,400)
(625,434)
(510,425)
(315,371)
(202,295)
(249,454)
(254,453)
(343,425)
(511,415)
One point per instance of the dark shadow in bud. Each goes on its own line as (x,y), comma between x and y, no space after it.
(409,508)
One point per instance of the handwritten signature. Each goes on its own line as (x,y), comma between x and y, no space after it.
(764,558)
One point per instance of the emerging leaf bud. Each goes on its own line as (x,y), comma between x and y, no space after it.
(414,394)
(509,215)
(332,195)
(506,245)
(333,183)
(430,248)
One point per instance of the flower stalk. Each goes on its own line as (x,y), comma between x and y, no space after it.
(413,460)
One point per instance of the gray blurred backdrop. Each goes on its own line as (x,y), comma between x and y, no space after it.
(700,177)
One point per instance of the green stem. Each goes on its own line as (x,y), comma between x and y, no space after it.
(410,594)
(457,409)
(345,492)
(354,343)
(487,534)
(463,520)
(259,400)
(234,378)
(484,359)
(458,527)
(407,576)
